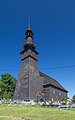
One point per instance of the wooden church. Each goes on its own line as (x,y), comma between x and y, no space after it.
(33,84)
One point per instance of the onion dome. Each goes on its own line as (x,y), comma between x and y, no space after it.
(29,43)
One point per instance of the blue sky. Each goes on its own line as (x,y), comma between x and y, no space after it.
(53,24)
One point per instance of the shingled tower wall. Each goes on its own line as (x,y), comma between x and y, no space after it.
(29,81)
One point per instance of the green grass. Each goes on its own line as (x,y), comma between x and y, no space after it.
(34,113)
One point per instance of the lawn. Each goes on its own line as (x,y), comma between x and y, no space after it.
(34,113)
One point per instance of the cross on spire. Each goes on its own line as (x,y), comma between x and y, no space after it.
(28,21)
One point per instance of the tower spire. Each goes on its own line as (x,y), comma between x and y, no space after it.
(29,43)
(28,21)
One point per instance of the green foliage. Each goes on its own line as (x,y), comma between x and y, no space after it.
(65,100)
(1,92)
(7,86)
(73,99)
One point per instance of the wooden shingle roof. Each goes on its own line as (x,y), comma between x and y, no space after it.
(52,82)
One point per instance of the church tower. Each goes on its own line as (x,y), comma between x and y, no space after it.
(29,82)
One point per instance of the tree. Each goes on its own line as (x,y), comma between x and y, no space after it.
(65,100)
(73,99)
(1,92)
(7,86)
